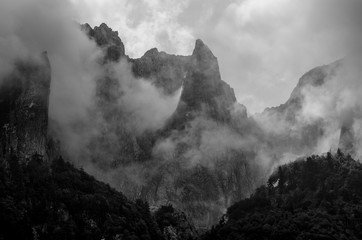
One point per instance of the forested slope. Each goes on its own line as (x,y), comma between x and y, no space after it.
(319,197)
(57,201)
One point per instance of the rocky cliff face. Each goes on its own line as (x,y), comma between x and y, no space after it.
(203,90)
(199,182)
(107,39)
(166,71)
(24,100)
(115,144)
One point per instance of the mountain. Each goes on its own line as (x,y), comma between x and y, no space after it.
(315,77)
(317,197)
(207,105)
(42,196)
(24,102)
(166,71)
(107,39)
(205,156)
(203,90)
(207,109)
(296,132)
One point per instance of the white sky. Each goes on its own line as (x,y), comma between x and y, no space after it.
(263,46)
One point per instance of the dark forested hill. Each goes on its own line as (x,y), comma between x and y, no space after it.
(58,201)
(319,197)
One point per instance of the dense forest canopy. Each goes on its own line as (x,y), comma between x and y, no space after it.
(318,197)
(57,201)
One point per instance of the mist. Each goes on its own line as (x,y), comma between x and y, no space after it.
(30,27)
(337,103)
(263,46)
(114,125)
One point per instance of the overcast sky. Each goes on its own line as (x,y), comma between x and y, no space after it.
(263,46)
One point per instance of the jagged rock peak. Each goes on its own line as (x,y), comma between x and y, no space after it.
(105,26)
(86,28)
(204,60)
(203,52)
(166,71)
(152,52)
(201,47)
(106,38)
(203,89)
(105,35)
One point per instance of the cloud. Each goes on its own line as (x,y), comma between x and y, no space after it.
(263,46)
(270,44)
(27,28)
(16,39)
(337,103)
(142,24)
(148,106)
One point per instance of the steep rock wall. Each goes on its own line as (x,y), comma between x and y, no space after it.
(24,101)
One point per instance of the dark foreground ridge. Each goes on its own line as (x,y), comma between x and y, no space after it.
(318,197)
(38,201)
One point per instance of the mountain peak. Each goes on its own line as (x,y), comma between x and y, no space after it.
(203,55)
(203,89)
(199,44)
(152,52)
(106,38)
(105,26)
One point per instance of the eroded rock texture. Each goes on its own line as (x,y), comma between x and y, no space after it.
(107,39)
(203,90)
(24,100)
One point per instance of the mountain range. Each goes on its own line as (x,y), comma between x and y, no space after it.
(205,156)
